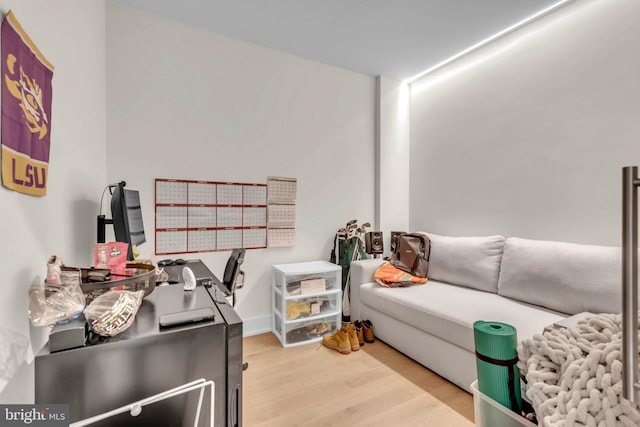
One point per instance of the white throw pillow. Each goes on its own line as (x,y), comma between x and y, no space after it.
(565,277)
(473,262)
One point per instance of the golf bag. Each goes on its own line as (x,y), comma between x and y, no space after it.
(348,246)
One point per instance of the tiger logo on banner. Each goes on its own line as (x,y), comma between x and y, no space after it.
(26,111)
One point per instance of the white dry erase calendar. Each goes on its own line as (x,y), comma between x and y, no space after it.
(204,216)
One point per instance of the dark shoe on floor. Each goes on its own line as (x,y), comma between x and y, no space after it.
(367,331)
(358,326)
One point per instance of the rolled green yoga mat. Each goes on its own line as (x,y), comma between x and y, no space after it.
(496,358)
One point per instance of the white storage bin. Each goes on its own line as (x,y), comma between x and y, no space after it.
(298,333)
(489,413)
(313,293)
(291,276)
(307,306)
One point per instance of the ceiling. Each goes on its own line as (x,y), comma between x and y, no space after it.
(396,39)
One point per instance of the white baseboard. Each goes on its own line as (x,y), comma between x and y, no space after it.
(256,326)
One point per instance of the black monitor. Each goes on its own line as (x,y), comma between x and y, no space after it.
(126,217)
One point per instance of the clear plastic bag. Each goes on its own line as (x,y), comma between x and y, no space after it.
(53,303)
(113,312)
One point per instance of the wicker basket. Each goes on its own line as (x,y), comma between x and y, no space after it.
(143,278)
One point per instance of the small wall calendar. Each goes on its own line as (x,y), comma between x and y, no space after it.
(281,211)
(205,216)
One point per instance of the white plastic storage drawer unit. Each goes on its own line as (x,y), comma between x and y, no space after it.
(307,301)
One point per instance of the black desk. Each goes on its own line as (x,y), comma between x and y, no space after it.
(146,360)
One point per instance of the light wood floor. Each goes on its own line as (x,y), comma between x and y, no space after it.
(311,385)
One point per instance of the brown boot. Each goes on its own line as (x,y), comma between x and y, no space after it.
(353,337)
(367,331)
(358,326)
(339,341)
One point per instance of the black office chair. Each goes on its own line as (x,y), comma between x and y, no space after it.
(230,280)
(233,276)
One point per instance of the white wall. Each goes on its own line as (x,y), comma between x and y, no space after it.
(71,35)
(392,158)
(186,104)
(527,137)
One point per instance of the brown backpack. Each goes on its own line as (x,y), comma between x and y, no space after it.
(412,254)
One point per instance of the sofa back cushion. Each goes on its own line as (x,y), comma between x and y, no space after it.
(565,277)
(473,262)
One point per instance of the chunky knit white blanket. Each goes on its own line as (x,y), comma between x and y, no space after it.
(574,375)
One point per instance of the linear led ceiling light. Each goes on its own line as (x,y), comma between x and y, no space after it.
(489,40)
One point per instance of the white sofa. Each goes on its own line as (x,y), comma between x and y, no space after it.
(528,284)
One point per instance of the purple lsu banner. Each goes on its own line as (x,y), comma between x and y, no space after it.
(26,111)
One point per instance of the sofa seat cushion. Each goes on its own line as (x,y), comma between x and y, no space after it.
(567,277)
(473,261)
(448,311)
